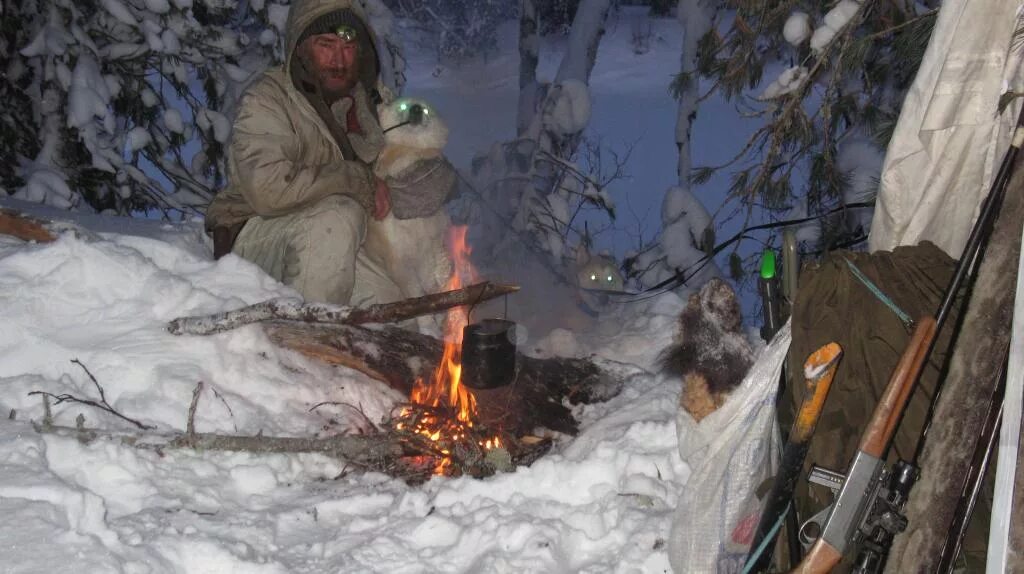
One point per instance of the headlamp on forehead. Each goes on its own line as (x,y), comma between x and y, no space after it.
(346,33)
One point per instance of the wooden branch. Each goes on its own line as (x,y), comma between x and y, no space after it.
(294,310)
(23,227)
(103,405)
(370,450)
(399,357)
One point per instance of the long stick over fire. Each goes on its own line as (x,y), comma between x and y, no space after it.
(292,309)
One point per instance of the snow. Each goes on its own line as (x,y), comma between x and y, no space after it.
(861,162)
(149,98)
(835,20)
(599,502)
(170,41)
(158,6)
(138,138)
(215,122)
(683,229)
(173,121)
(118,10)
(790,79)
(841,14)
(277,14)
(569,110)
(797,29)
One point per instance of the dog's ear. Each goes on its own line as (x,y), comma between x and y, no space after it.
(582,254)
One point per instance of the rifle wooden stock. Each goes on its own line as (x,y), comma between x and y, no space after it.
(820,559)
(876,438)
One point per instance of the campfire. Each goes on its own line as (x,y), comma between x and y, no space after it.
(442,411)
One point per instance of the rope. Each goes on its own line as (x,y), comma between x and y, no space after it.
(877,292)
(769,538)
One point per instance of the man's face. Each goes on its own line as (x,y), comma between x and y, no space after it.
(334,61)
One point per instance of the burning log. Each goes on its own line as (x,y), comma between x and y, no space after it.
(400,358)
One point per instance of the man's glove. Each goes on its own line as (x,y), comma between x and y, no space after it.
(370,142)
(421,190)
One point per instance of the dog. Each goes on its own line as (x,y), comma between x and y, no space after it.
(410,251)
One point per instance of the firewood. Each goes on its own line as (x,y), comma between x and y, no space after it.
(399,357)
(23,227)
(291,309)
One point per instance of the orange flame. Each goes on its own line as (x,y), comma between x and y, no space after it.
(446,384)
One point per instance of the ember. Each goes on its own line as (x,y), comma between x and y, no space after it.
(443,410)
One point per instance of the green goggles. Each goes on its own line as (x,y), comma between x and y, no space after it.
(346,33)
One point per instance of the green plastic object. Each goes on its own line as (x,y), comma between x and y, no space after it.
(768,264)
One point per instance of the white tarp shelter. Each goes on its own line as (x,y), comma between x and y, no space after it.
(949,139)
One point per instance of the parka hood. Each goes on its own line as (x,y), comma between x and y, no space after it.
(304,12)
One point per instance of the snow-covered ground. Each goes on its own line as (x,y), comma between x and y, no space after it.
(599,502)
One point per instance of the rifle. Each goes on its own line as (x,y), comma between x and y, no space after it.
(868,508)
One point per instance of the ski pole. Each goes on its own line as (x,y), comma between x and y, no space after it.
(819,371)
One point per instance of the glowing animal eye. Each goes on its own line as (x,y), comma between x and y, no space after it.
(610,279)
(426,112)
(593,277)
(404,106)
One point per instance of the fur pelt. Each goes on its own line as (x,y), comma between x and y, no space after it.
(710,352)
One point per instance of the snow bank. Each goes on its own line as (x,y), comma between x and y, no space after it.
(600,502)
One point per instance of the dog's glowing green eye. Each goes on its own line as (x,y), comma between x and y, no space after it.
(403,106)
(593,277)
(610,279)
(426,112)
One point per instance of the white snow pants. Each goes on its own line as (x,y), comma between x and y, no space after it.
(316,251)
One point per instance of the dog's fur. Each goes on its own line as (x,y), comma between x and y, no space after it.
(710,352)
(411,251)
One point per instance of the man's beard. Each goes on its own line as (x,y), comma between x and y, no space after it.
(337,83)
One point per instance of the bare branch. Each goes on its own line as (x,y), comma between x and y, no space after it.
(103,407)
(294,310)
(190,428)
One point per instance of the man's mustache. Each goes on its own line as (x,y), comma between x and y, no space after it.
(336,72)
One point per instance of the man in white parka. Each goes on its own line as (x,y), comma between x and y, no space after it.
(300,163)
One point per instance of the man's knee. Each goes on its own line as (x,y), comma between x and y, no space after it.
(335,218)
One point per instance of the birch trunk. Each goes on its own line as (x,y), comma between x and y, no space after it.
(529,53)
(696,22)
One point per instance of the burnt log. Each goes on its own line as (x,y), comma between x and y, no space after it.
(399,358)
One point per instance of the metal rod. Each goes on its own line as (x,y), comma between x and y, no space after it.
(968,261)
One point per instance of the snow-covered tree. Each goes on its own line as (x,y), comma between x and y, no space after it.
(536,185)
(463,29)
(687,228)
(838,73)
(842,70)
(129,102)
